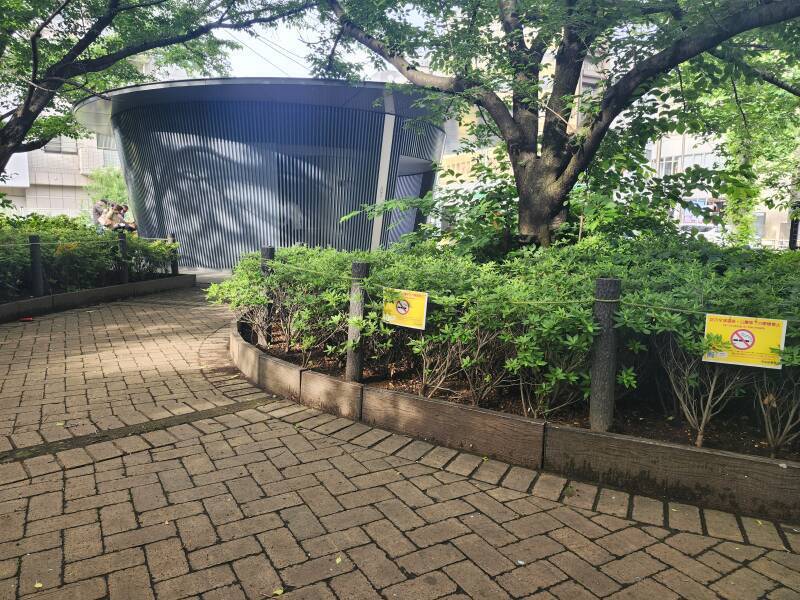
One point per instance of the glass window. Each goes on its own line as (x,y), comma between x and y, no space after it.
(63,145)
(110,158)
(759,221)
(668,165)
(707,160)
(106,142)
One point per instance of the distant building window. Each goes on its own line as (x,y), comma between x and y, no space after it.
(668,165)
(707,160)
(106,142)
(110,158)
(759,222)
(689,217)
(62,145)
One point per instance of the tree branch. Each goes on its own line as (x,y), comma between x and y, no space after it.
(37,33)
(489,100)
(34,40)
(510,130)
(422,79)
(739,105)
(33,145)
(332,53)
(671,6)
(635,83)
(512,26)
(569,66)
(759,73)
(103,62)
(527,65)
(84,42)
(79,86)
(127,7)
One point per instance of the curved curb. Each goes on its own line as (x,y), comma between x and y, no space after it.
(711,478)
(10,311)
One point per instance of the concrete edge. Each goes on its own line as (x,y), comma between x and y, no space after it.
(28,307)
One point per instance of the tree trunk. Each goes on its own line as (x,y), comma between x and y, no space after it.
(540,200)
(9,142)
(14,131)
(698,441)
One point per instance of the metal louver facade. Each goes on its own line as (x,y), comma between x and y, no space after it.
(232,166)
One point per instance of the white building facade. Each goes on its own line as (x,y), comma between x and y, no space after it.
(52,180)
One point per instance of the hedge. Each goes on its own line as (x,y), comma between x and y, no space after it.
(521,330)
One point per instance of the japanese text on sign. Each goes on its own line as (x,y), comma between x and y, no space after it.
(405,308)
(748,341)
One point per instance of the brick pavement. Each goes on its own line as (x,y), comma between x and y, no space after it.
(104,367)
(277,499)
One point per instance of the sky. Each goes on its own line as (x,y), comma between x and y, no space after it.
(279,52)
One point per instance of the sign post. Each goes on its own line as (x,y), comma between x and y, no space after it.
(748,341)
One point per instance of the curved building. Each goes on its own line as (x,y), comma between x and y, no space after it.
(231,164)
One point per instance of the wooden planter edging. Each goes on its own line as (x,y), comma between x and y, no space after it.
(279,377)
(271,374)
(505,437)
(29,307)
(331,394)
(711,478)
(714,478)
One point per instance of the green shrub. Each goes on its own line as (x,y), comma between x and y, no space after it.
(74,255)
(523,328)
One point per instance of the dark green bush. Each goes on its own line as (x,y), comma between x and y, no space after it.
(523,328)
(74,255)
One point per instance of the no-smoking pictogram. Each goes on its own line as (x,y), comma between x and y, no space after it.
(402,307)
(742,339)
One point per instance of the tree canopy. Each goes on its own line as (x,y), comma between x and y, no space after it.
(53,52)
(521,62)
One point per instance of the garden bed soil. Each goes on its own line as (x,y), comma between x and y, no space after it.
(740,434)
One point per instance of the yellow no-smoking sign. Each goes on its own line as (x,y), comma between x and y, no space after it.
(748,341)
(405,308)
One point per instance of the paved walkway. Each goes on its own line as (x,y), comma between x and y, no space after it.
(140,465)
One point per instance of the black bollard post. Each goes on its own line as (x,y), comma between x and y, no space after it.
(37,269)
(604,355)
(173,265)
(267,254)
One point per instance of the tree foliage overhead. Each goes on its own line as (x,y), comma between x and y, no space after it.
(751,122)
(521,62)
(53,52)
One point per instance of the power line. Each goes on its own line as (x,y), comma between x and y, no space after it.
(282,51)
(257,53)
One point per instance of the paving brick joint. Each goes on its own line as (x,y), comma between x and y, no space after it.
(270,498)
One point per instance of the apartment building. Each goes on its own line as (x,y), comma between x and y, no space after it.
(52,180)
(675,153)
